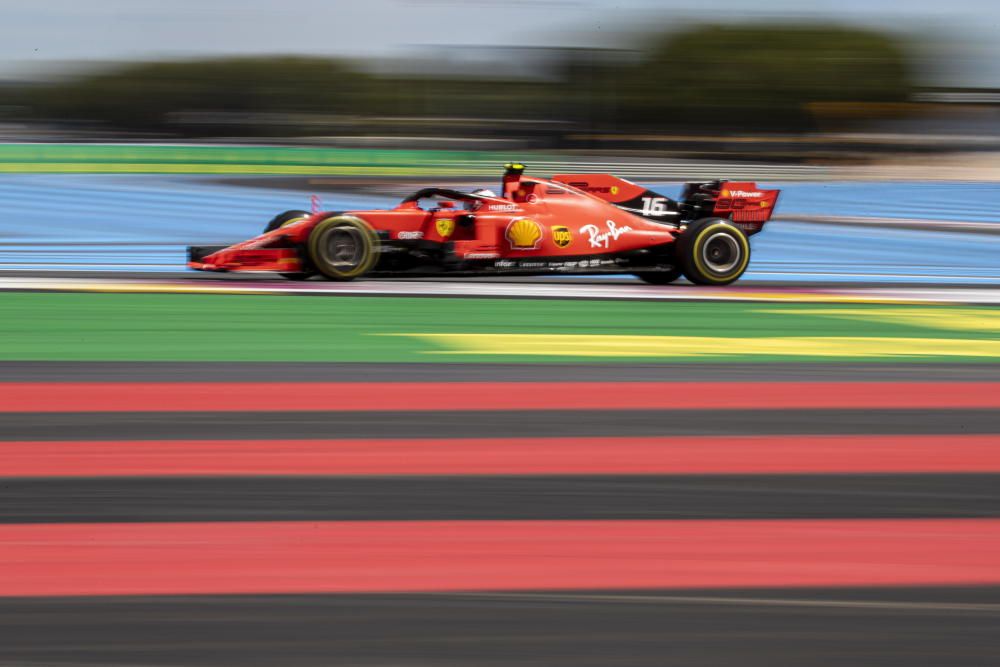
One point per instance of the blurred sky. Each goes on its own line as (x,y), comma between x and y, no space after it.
(961,35)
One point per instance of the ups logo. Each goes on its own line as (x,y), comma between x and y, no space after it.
(561,236)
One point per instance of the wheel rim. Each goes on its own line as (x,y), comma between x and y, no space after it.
(345,248)
(721,252)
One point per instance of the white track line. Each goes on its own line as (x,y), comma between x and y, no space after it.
(747,601)
(902,294)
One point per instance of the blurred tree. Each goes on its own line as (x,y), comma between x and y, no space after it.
(759,76)
(202,95)
(750,76)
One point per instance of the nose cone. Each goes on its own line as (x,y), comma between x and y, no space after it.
(201,257)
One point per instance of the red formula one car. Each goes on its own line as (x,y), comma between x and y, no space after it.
(572,223)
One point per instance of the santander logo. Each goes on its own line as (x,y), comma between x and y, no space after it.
(599,239)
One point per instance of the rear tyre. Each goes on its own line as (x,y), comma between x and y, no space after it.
(713,251)
(659,277)
(343,247)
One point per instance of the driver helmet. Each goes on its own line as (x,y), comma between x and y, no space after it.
(484,192)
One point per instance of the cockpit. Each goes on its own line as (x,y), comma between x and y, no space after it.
(446,198)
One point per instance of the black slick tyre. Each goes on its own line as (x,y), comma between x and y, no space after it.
(659,277)
(343,247)
(286,218)
(302,275)
(282,220)
(713,251)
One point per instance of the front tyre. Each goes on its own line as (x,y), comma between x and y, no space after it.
(285,219)
(343,247)
(713,251)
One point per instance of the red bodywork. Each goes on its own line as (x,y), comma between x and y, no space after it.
(573,223)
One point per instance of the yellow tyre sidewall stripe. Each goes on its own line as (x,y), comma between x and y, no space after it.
(291,222)
(744,246)
(366,263)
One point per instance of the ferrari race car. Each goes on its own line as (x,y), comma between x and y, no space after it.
(571,223)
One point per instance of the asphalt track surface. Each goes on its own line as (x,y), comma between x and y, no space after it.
(197,277)
(766,628)
(860,289)
(214,371)
(514,424)
(901,612)
(476,498)
(205,277)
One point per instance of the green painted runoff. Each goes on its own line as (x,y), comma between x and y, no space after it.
(185,327)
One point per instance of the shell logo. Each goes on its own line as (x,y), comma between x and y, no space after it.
(724,194)
(524,234)
(445,227)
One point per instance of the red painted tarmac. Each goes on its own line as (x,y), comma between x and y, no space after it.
(300,557)
(282,396)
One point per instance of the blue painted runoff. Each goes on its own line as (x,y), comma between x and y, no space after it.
(143,222)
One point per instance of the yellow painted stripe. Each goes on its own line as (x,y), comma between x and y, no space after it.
(813,297)
(980,320)
(162,289)
(572,345)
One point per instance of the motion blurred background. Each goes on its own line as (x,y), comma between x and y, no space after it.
(783,81)
(801,469)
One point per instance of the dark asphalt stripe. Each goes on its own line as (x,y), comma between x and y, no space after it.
(196,277)
(71,500)
(478,423)
(896,627)
(164,371)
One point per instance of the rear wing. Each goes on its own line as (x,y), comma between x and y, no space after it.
(745,202)
(740,201)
